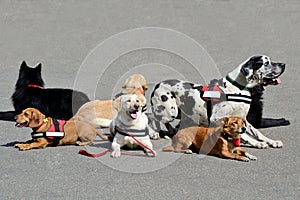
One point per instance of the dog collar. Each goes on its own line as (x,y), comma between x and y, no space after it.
(236,84)
(35,86)
(141,91)
(236,141)
(43,122)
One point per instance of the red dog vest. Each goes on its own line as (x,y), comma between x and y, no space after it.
(55,132)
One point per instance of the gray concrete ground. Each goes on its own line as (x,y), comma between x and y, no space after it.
(61,34)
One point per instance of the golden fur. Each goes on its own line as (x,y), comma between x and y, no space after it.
(99,113)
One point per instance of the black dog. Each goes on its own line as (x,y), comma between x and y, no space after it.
(29,92)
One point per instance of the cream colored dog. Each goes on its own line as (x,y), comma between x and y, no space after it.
(130,121)
(99,113)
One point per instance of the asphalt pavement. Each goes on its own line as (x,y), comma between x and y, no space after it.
(93,46)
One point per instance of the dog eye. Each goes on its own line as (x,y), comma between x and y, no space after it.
(267,66)
(25,114)
(128,101)
(137,100)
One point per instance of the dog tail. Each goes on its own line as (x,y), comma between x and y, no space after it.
(168,148)
(102,136)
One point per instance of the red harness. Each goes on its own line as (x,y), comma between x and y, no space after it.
(57,126)
(214,88)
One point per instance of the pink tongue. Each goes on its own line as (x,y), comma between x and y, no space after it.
(278,80)
(134,115)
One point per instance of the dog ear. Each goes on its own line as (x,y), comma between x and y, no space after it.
(253,63)
(145,87)
(116,103)
(39,67)
(225,120)
(34,119)
(142,99)
(245,71)
(23,65)
(222,121)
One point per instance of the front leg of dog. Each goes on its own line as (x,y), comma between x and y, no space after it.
(150,146)
(253,142)
(259,136)
(116,153)
(244,153)
(170,129)
(234,156)
(153,134)
(34,145)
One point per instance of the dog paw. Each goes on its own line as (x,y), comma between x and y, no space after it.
(261,145)
(22,147)
(251,157)
(155,136)
(277,144)
(188,151)
(115,154)
(245,159)
(151,154)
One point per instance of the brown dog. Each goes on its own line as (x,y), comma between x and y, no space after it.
(79,133)
(212,141)
(99,113)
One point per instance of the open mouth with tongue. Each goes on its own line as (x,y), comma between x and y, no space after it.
(134,114)
(271,81)
(20,125)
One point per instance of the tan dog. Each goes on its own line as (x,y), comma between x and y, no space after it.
(212,141)
(99,113)
(79,133)
(128,123)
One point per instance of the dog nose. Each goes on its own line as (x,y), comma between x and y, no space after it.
(136,106)
(244,129)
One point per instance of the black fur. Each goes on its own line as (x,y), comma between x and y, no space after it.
(55,102)
(256,111)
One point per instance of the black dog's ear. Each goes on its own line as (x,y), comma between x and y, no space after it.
(23,65)
(256,62)
(39,67)
(245,71)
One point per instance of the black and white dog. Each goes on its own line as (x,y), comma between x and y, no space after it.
(174,99)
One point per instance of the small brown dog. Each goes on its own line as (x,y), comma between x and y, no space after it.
(99,113)
(79,133)
(212,141)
